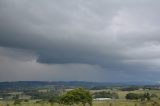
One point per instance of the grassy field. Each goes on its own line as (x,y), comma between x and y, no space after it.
(117,102)
(95,103)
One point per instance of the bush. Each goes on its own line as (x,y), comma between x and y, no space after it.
(143,97)
(105,94)
(17,102)
(132,96)
(26,100)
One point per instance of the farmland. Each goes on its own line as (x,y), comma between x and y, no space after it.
(118,102)
(48,94)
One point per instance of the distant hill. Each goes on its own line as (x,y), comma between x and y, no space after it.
(66,84)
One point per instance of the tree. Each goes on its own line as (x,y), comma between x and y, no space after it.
(142,97)
(52,100)
(104,94)
(148,96)
(76,96)
(132,96)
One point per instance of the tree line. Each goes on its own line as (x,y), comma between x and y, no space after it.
(142,97)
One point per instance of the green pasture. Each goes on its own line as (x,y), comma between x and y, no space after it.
(115,102)
(95,103)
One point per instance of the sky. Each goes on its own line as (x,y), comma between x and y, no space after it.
(80,40)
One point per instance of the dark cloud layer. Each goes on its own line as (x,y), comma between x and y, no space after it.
(105,38)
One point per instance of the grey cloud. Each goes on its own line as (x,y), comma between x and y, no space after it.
(13,70)
(115,35)
(60,40)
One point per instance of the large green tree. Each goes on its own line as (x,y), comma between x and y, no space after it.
(76,96)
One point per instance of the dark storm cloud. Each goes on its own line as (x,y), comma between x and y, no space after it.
(116,35)
(56,32)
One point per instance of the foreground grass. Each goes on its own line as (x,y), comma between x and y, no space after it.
(95,103)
